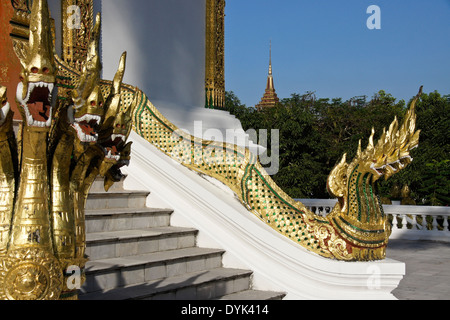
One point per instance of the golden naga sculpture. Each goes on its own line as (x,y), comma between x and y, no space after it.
(355,230)
(75,128)
(358,215)
(64,144)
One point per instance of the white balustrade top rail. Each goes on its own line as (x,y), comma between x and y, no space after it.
(408,222)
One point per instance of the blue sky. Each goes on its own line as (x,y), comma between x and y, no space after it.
(326,47)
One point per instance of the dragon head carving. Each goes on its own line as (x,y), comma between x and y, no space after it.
(358,216)
(86,119)
(86,114)
(38,76)
(117,123)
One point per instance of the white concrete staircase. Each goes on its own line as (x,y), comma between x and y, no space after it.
(136,254)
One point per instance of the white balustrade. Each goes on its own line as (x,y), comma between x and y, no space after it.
(408,222)
(321,207)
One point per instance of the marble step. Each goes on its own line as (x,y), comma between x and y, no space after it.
(136,254)
(117,244)
(116,199)
(99,185)
(107,274)
(200,285)
(253,295)
(121,219)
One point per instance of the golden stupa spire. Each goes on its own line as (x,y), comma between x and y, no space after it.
(270,59)
(270,98)
(270,85)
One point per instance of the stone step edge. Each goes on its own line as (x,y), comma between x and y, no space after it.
(127,235)
(169,256)
(106,213)
(97,194)
(253,295)
(164,286)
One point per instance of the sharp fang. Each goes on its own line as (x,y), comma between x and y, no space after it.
(115,136)
(393,169)
(89,117)
(377,169)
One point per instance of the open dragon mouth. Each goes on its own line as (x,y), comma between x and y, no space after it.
(112,146)
(391,168)
(86,127)
(37,103)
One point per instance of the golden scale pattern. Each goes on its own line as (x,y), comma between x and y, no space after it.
(240,170)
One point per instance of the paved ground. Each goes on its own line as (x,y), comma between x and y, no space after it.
(427,269)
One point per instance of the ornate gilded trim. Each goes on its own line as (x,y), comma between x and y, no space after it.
(76,34)
(215,54)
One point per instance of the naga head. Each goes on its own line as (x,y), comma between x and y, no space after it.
(358,214)
(86,114)
(117,140)
(114,174)
(87,118)
(4,106)
(38,76)
(389,156)
(117,124)
(92,67)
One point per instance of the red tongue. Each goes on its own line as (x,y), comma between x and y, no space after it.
(113,150)
(39,112)
(88,130)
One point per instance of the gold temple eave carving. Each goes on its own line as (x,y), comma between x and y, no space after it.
(215,54)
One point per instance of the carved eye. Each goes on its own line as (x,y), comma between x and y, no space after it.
(118,125)
(93,103)
(5,102)
(123,126)
(34,70)
(45,70)
(101,104)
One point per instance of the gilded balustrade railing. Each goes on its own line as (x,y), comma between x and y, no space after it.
(241,171)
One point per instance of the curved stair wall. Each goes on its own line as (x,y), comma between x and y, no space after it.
(278,263)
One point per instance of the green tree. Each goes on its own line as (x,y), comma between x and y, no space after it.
(428,174)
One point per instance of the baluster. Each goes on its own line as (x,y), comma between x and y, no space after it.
(435,223)
(397,220)
(424,222)
(394,222)
(414,222)
(404,222)
(445,224)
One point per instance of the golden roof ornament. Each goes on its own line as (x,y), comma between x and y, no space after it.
(270,98)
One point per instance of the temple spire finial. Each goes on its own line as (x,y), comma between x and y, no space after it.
(270,98)
(270,58)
